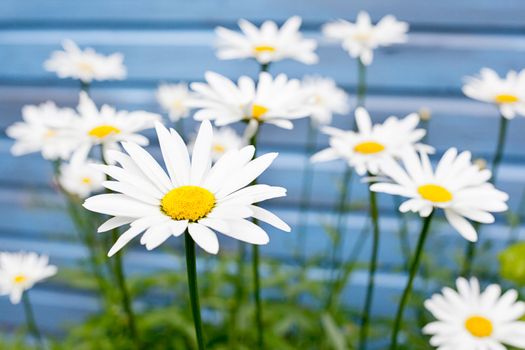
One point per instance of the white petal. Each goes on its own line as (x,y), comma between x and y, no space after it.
(204,237)
(175,155)
(270,218)
(461,225)
(201,156)
(246,231)
(114,222)
(148,165)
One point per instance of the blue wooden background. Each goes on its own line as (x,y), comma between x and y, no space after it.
(171,40)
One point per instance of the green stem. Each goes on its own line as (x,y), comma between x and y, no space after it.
(255,268)
(404,241)
(306,193)
(257,296)
(179,126)
(85,87)
(414,266)
(118,270)
(191,267)
(85,229)
(341,214)
(30,320)
(238,296)
(361,84)
(126,299)
(265,67)
(470,253)
(374,215)
(341,281)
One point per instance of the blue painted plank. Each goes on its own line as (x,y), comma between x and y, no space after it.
(456,122)
(448,13)
(429,63)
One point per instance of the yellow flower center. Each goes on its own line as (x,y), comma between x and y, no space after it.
(102,131)
(435,193)
(50,133)
(19,279)
(479,326)
(219,148)
(188,203)
(86,180)
(506,98)
(369,147)
(85,67)
(177,105)
(258,111)
(363,37)
(264,48)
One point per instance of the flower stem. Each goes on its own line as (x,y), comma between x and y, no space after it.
(257,296)
(470,253)
(118,271)
(361,84)
(30,320)
(126,300)
(341,209)
(255,270)
(85,228)
(84,87)
(347,269)
(191,268)
(306,192)
(414,266)
(265,67)
(374,215)
(238,295)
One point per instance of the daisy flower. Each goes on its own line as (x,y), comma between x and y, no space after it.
(225,139)
(457,186)
(45,128)
(79,177)
(369,146)
(192,196)
(20,271)
(174,99)
(508,93)
(476,320)
(108,126)
(361,38)
(273,101)
(85,65)
(267,44)
(324,99)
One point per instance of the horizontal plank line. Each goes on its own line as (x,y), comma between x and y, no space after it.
(309,25)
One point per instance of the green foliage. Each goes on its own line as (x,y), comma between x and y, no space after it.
(512,264)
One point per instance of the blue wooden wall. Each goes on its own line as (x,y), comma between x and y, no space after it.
(171,40)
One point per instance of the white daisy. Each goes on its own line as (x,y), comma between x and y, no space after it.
(47,129)
(225,139)
(86,65)
(369,146)
(79,177)
(361,38)
(457,186)
(174,99)
(273,101)
(471,319)
(508,93)
(20,271)
(324,99)
(267,44)
(192,195)
(108,126)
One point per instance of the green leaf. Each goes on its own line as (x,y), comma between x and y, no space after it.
(335,335)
